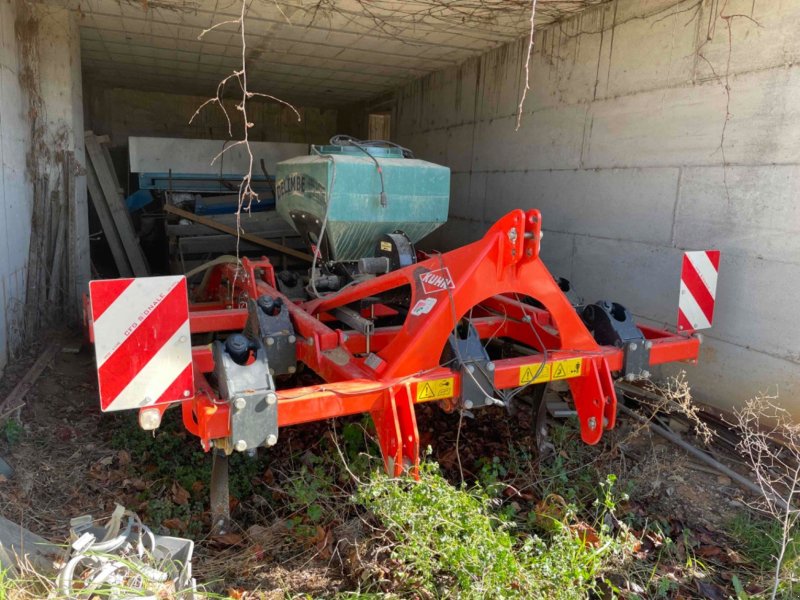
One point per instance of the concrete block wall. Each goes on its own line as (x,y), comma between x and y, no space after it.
(635,151)
(121,113)
(15,189)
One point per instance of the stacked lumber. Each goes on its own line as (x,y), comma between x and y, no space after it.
(109,203)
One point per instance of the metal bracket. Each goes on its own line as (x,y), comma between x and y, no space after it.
(612,324)
(477,369)
(269,321)
(250,391)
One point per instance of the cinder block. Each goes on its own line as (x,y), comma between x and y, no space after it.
(547,139)
(455,233)
(556,252)
(642,277)
(501,78)
(505,191)
(728,375)
(461,204)
(684,126)
(763,35)
(653,52)
(668,127)
(754,308)
(459,147)
(757,215)
(565,66)
(627,204)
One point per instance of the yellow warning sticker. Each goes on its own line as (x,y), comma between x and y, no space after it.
(386,246)
(566,369)
(537,373)
(560,369)
(437,389)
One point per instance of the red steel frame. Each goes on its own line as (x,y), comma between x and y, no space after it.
(488,279)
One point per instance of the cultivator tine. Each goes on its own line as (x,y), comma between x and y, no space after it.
(220,494)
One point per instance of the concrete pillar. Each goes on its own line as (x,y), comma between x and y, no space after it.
(15,189)
(58,44)
(41,131)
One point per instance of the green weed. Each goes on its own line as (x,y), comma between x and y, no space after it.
(451,542)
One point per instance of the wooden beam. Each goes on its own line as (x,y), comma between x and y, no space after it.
(232,231)
(16,398)
(107,222)
(109,186)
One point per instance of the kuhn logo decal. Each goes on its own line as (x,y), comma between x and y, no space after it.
(437,281)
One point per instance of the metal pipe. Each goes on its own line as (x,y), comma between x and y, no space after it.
(697,453)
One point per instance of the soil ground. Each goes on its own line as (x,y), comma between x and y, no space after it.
(69,459)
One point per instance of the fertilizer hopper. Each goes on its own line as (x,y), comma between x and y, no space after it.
(361,206)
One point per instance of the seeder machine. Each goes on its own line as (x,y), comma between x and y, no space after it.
(380,326)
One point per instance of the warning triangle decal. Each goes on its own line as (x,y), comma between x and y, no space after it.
(427,392)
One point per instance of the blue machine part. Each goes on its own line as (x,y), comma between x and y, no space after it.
(138,199)
(204,184)
(194,183)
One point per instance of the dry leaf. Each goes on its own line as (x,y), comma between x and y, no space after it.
(228,539)
(179,494)
(586,534)
(124,458)
(174,523)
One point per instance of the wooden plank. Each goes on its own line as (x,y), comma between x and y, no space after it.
(195,230)
(107,222)
(16,399)
(116,205)
(225,244)
(232,231)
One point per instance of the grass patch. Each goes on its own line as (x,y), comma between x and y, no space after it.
(452,542)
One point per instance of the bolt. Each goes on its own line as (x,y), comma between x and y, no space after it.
(272,439)
(632,346)
(292,339)
(630,377)
(512,235)
(241,446)
(270,341)
(488,400)
(648,345)
(490,366)
(592,422)
(272,398)
(467,404)
(471,368)
(239,403)
(699,337)
(645,374)
(605,422)
(291,370)
(186,393)
(310,341)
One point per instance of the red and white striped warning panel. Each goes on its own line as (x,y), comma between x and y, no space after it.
(142,341)
(698,290)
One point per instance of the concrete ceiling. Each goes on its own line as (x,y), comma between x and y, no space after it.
(312,52)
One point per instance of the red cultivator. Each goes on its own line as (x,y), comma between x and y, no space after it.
(468,328)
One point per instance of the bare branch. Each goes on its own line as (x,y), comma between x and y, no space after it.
(527,65)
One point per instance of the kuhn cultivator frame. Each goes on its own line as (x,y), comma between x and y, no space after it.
(473,294)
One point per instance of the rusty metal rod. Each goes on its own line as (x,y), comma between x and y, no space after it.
(698,453)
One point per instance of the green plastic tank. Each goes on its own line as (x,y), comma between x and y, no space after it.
(345,182)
